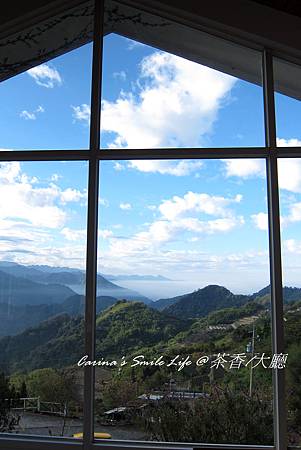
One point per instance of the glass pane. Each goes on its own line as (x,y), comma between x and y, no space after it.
(42,283)
(182,308)
(290,203)
(287,103)
(48,106)
(166,85)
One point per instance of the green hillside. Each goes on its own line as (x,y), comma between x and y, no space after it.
(17,318)
(59,341)
(128,326)
(290,294)
(132,328)
(55,342)
(201,302)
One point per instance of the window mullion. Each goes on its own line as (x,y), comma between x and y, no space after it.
(93,190)
(280,426)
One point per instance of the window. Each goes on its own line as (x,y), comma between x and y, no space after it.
(174,199)
(181,240)
(43,228)
(147,90)
(50,92)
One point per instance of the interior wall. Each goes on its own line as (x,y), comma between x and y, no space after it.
(244,18)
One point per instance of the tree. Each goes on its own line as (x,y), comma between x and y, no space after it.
(294,389)
(51,385)
(224,416)
(119,393)
(8,420)
(23,390)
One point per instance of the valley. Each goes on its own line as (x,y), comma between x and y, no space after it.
(42,341)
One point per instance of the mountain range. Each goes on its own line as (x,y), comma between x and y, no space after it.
(16,290)
(17,318)
(74,279)
(122,327)
(203,301)
(32,294)
(59,341)
(136,277)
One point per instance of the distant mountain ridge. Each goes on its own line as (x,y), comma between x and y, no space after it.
(19,291)
(136,277)
(126,328)
(290,294)
(214,297)
(203,301)
(15,319)
(70,278)
(32,294)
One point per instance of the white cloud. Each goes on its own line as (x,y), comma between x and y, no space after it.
(178,215)
(195,202)
(30,204)
(105,234)
(33,222)
(289,174)
(194,239)
(27,115)
(294,215)
(166,167)
(244,168)
(32,218)
(289,169)
(175,103)
(210,226)
(68,254)
(120,75)
(9,171)
(134,44)
(74,235)
(45,75)
(33,205)
(72,195)
(103,202)
(125,206)
(292,246)
(295,212)
(81,113)
(199,267)
(261,221)
(118,166)
(55,177)
(293,142)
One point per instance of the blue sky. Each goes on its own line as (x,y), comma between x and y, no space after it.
(194,222)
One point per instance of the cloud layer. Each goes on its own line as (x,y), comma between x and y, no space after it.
(197,214)
(27,115)
(33,214)
(174,103)
(166,167)
(46,76)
